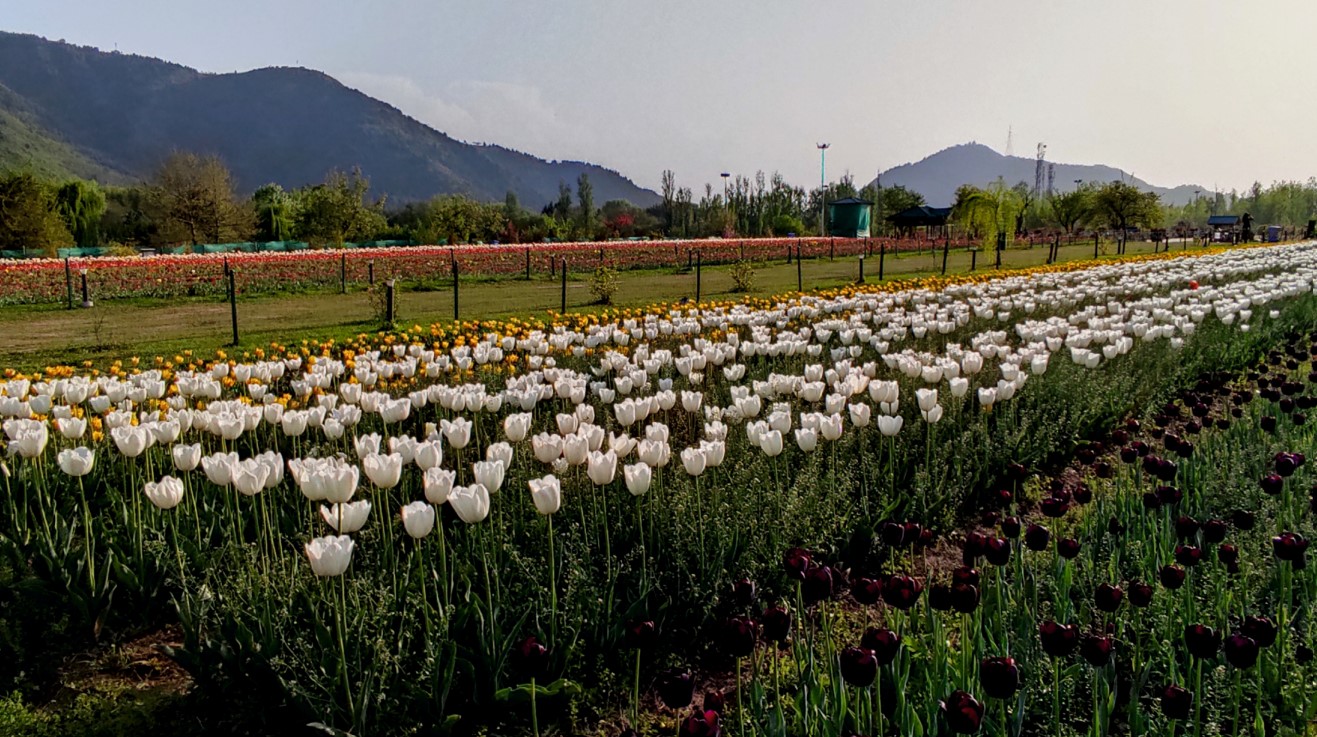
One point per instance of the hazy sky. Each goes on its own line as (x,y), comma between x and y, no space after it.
(1175,91)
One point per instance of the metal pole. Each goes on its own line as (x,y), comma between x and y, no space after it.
(370,271)
(343,273)
(800,281)
(456,311)
(1095,244)
(882,258)
(861,270)
(1001,246)
(973,259)
(388,301)
(564,285)
(527,264)
(233,307)
(832,248)
(699,261)
(946,249)
(68,281)
(86,297)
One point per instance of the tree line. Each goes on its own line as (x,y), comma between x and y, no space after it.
(191,199)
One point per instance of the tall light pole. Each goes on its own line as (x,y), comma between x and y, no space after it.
(823,188)
(725,175)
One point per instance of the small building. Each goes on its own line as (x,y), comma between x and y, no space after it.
(849,217)
(1224,228)
(921,216)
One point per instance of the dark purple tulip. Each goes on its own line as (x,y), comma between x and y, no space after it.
(738,637)
(530,657)
(997,551)
(939,597)
(1241,651)
(1185,527)
(1202,641)
(1120,437)
(867,591)
(715,701)
(1172,577)
(964,598)
(1107,598)
(1017,472)
(1103,470)
(1188,555)
(701,724)
(1058,640)
(1114,527)
(1151,501)
(1268,423)
(999,677)
(1177,702)
(797,561)
(1036,537)
(817,585)
(902,591)
(926,539)
(676,688)
(1227,553)
(1272,484)
(1242,519)
(1169,495)
(1214,531)
(1005,497)
(640,634)
(776,624)
(1303,655)
(1290,547)
(1096,650)
(745,592)
(965,575)
(883,642)
(963,713)
(1067,548)
(859,667)
(1054,507)
(1299,418)
(1141,594)
(1129,454)
(912,533)
(893,534)
(1261,629)
(1083,494)
(1010,527)
(1288,463)
(973,547)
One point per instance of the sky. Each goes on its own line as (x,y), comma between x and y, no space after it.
(1217,93)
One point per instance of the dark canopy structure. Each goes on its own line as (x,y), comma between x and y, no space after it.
(920,216)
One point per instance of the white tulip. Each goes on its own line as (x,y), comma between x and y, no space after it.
(638,477)
(471,503)
(602,467)
(384,471)
(807,439)
(457,432)
(890,425)
(546,493)
(166,493)
(489,474)
(346,518)
(693,460)
(517,426)
(438,484)
(76,461)
(418,519)
(329,556)
(429,454)
(861,414)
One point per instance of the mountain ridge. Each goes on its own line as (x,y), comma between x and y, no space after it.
(937,175)
(289,125)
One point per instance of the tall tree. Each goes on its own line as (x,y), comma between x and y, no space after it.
(338,211)
(274,213)
(562,209)
(195,197)
(1070,209)
(585,197)
(1123,206)
(990,211)
(28,217)
(81,204)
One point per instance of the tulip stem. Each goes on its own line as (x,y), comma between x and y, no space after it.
(534,714)
(553,596)
(635,692)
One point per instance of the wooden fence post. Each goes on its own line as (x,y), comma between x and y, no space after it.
(946,250)
(68,281)
(882,258)
(564,285)
(699,262)
(388,301)
(456,309)
(800,280)
(233,307)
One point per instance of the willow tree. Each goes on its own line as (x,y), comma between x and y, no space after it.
(990,211)
(81,204)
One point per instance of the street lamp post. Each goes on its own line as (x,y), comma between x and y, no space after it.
(823,188)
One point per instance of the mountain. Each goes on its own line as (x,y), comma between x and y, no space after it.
(112,116)
(936,177)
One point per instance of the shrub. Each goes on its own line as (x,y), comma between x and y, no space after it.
(604,285)
(743,277)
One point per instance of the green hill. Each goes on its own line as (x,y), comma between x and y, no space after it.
(126,113)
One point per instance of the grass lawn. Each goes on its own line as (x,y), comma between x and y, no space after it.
(42,335)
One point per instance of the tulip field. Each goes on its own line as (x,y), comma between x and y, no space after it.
(1066,500)
(44,280)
